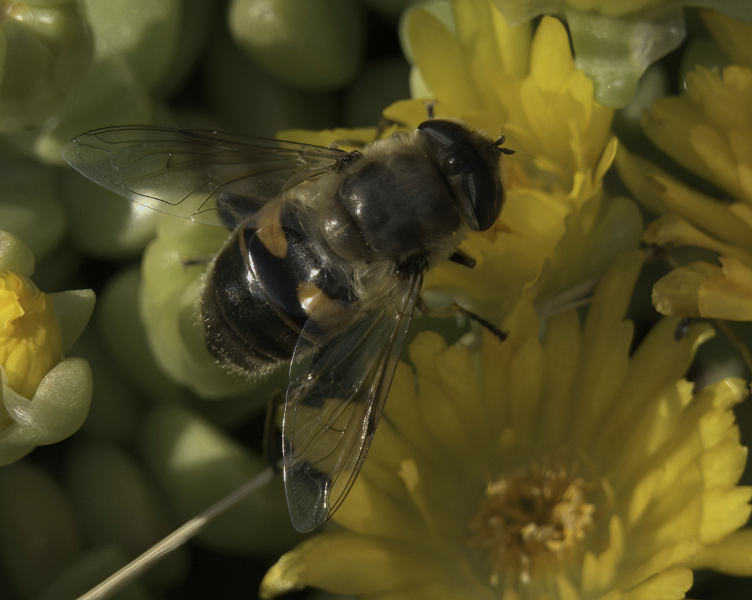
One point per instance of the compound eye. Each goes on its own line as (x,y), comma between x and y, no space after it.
(485,198)
(470,164)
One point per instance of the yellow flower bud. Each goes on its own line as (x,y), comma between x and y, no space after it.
(30,339)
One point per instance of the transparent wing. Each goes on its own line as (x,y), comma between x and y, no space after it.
(194,174)
(337,390)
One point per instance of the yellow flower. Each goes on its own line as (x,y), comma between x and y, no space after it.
(557,228)
(546,242)
(709,132)
(615,41)
(44,397)
(496,77)
(30,340)
(554,466)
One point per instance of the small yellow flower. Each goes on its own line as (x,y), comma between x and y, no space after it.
(544,241)
(44,397)
(615,41)
(557,228)
(562,466)
(30,340)
(709,132)
(497,77)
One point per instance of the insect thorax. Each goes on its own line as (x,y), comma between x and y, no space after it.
(399,204)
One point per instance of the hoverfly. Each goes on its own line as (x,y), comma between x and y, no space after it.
(322,269)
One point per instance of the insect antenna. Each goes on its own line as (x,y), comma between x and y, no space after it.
(499,143)
(138,566)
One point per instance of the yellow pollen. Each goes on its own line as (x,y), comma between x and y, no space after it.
(528,520)
(30,337)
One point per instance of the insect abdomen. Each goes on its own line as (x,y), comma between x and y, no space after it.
(254,321)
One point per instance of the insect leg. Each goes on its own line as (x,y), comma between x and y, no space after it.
(483,322)
(445,311)
(463,259)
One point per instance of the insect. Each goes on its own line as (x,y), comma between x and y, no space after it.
(322,269)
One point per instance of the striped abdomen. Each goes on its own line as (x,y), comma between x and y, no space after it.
(262,287)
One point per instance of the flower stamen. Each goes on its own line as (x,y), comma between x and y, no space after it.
(530,519)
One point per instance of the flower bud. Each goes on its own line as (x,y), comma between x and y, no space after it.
(45,48)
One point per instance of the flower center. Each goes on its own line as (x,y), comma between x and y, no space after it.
(530,519)
(30,337)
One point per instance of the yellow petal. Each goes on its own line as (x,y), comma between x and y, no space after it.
(644,381)
(606,338)
(643,495)
(675,294)
(566,589)
(715,421)
(525,382)
(727,392)
(514,45)
(607,159)
(389,447)
(598,571)
(671,584)
(711,215)
(436,393)
(474,22)
(411,113)
(497,361)
(724,510)
(550,56)
(668,124)
(732,555)
(723,464)
(433,504)
(346,563)
(562,349)
(708,131)
(636,173)
(372,510)
(595,235)
(672,229)
(731,35)
(652,559)
(440,58)
(644,467)
(727,295)
(718,161)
